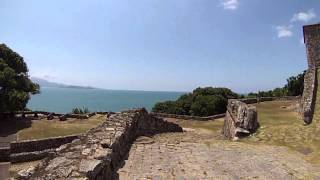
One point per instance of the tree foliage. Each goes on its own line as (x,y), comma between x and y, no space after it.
(15,85)
(294,87)
(201,102)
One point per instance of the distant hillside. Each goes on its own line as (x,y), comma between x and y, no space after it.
(45,83)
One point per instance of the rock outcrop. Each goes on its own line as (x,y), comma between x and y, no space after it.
(241,120)
(98,153)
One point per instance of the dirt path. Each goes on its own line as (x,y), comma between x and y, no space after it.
(199,155)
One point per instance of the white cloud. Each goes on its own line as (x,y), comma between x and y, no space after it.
(304,16)
(229,4)
(284,31)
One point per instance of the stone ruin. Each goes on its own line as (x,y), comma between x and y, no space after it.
(312,41)
(241,119)
(100,152)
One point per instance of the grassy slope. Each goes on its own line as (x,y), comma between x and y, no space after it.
(280,126)
(44,128)
(283,127)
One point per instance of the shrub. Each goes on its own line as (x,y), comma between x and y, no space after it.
(83,110)
(201,102)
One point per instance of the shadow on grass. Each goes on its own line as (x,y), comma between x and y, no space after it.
(11,125)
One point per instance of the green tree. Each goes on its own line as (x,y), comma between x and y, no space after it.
(295,85)
(279,92)
(201,102)
(208,105)
(15,85)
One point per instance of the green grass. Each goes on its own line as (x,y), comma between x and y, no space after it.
(213,127)
(284,127)
(44,129)
(280,125)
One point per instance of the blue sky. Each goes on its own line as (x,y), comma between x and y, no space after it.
(167,45)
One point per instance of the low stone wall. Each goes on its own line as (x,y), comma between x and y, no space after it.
(56,115)
(30,150)
(241,119)
(30,156)
(99,153)
(185,117)
(5,154)
(309,95)
(264,99)
(40,144)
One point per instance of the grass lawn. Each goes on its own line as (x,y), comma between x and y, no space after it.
(282,126)
(43,128)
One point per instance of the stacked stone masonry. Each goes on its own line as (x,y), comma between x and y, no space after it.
(312,41)
(31,150)
(99,153)
(309,95)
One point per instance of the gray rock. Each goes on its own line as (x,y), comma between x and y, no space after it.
(63,118)
(88,165)
(57,162)
(26,173)
(241,120)
(50,116)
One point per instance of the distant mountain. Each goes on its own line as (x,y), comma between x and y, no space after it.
(46,83)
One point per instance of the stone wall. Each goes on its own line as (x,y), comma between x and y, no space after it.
(23,151)
(311,35)
(40,144)
(45,114)
(185,117)
(312,40)
(99,153)
(309,95)
(241,119)
(5,154)
(264,99)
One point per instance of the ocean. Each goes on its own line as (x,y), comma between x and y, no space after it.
(63,100)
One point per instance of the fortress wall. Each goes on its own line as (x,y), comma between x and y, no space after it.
(99,153)
(309,95)
(312,41)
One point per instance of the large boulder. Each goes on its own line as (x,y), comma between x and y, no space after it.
(241,120)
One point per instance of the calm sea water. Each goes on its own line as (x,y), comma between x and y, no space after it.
(63,100)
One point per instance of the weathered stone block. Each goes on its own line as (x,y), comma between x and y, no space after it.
(241,120)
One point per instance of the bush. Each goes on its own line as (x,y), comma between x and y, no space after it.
(201,102)
(82,110)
